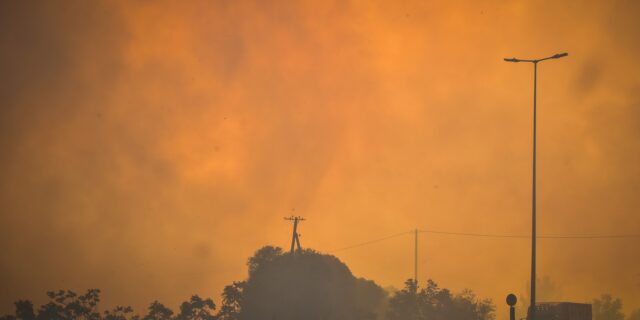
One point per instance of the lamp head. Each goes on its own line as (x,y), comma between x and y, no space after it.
(559,55)
(511,60)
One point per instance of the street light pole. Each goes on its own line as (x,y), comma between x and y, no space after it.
(532,307)
(533,197)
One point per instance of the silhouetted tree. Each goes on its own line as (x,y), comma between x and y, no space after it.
(467,306)
(371,299)
(231,301)
(197,309)
(157,311)
(67,305)
(304,285)
(263,256)
(408,303)
(434,303)
(120,313)
(24,310)
(607,308)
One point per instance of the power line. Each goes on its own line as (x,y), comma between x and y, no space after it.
(486,235)
(473,234)
(489,235)
(372,241)
(606,236)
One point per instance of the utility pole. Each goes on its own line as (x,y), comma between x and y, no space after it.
(295,239)
(415,258)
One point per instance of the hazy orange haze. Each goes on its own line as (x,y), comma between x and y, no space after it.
(149,147)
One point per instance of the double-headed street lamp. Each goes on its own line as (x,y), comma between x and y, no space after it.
(532,307)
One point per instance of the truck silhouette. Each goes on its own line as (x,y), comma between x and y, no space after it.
(562,311)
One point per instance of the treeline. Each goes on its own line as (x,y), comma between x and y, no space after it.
(67,305)
(609,308)
(283,286)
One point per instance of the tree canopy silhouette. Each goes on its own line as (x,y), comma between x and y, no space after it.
(435,303)
(285,286)
(67,305)
(607,308)
(302,285)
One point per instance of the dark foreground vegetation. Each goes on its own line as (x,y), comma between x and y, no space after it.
(284,286)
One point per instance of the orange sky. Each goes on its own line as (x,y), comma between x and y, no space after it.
(150,147)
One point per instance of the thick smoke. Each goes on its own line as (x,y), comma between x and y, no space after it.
(148,148)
